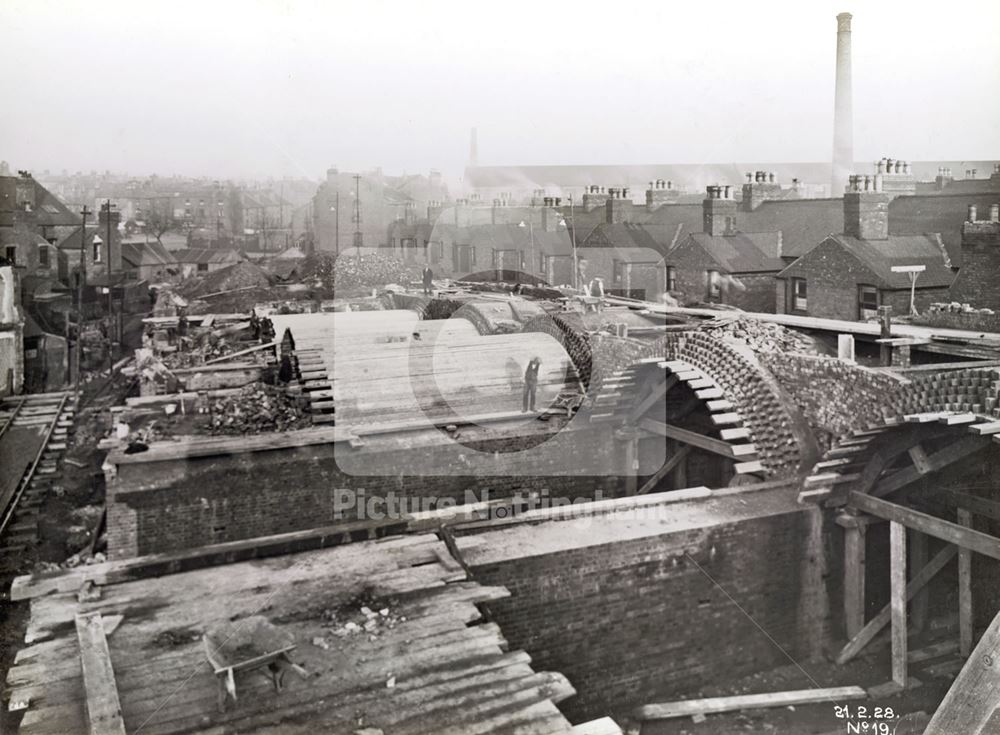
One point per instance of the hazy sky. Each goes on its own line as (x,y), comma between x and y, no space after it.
(287,88)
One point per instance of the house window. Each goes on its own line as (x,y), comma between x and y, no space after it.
(202,267)
(671,278)
(618,271)
(11,254)
(43,257)
(541,262)
(97,251)
(799,302)
(714,286)
(867,302)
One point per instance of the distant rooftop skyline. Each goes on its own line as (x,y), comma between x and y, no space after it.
(251,90)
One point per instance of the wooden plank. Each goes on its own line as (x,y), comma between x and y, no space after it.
(747,468)
(854,578)
(978,505)
(871,629)
(935,650)
(104,711)
(964,591)
(714,705)
(962,418)
(990,427)
(726,418)
(255,348)
(730,434)
(920,460)
(977,541)
(897,600)
(716,446)
(917,558)
(974,695)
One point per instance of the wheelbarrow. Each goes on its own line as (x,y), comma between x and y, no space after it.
(250,644)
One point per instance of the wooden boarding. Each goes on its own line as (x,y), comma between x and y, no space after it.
(715,705)
(104,711)
(975,694)
(991,427)
(747,468)
(726,418)
(730,434)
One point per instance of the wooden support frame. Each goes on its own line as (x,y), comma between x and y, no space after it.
(897,599)
(967,538)
(675,459)
(916,546)
(929,463)
(855,541)
(655,395)
(872,628)
(715,446)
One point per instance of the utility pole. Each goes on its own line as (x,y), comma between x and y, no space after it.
(81,276)
(357,216)
(111,304)
(572,235)
(336,243)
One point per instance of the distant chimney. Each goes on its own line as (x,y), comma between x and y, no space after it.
(759,188)
(434,210)
(618,207)
(843,116)
(550,215)
(593,197)
(108,219)
(461,212)
(500,213)
(895,177)
(660,192)
(866,208)
(409,213)
(719,211)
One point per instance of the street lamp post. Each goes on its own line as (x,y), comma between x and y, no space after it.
(81,277)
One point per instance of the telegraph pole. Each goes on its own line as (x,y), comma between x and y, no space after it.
(81,277)
(336,241)
(357,216)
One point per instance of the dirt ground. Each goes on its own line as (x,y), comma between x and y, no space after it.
(911,708)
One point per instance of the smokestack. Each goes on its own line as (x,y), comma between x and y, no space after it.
(473,149)
(843,117)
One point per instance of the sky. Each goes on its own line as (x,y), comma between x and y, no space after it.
(261,88)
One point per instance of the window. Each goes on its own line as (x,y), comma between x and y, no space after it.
(618,271)
(799,302)
(541,263)
(867,302)
(202,267)
(97,250)
(714,286)
(671,278)
(11,254)
(43,257)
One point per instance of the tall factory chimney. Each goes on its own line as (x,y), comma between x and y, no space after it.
(843,117)
(473,149)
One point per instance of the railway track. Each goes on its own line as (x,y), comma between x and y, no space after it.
(34,430)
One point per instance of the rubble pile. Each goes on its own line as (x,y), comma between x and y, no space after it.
(236,276)
(761,336)
(956,308)
(364,615)
(351,271)
(257,409)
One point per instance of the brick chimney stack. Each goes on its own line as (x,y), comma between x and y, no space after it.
(975,283)
(719,211)
(108,219)
(843,116)
(660,192)
(866,208)
(618,207)
(593,197)
(760,186)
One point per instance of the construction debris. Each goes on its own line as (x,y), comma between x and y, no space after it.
(713,705)
(257,409)
(760,336)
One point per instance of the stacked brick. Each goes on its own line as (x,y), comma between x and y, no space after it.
(971,390)
(836,397)
(489,317)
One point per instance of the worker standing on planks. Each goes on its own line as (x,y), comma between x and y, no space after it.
(530,384)
(428,275)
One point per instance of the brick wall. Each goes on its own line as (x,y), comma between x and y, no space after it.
(636,621)
(973,321)
(976,283)
(169,505)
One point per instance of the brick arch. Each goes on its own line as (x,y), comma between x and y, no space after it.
(868,459)
(568,329)
(785,445)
